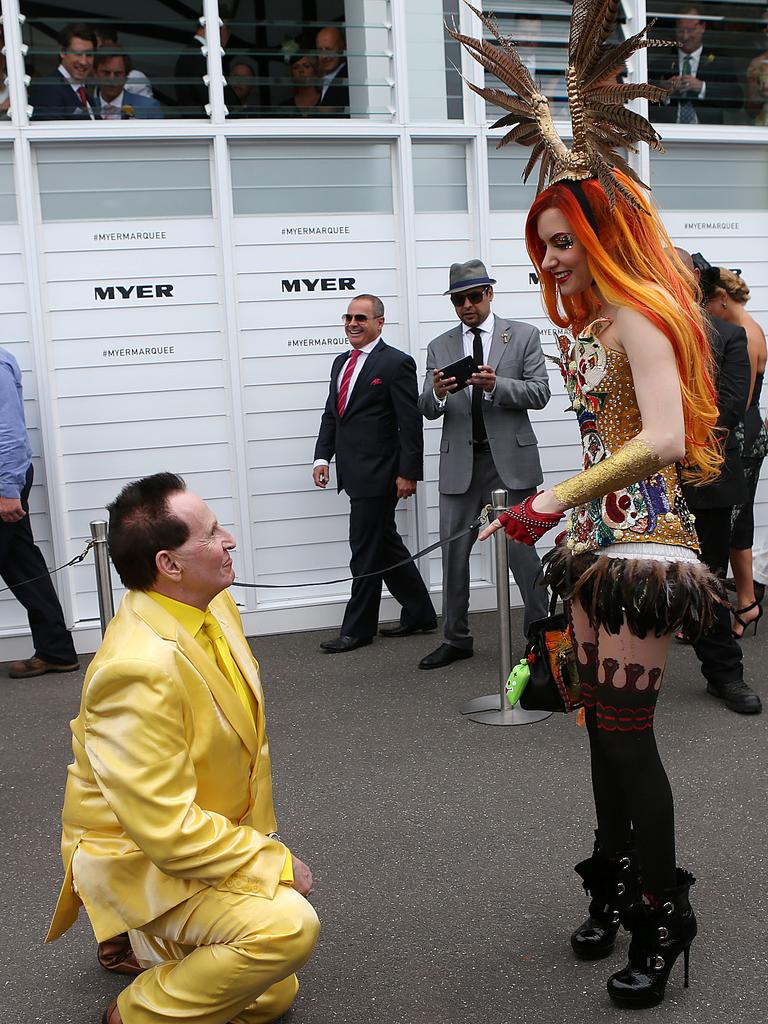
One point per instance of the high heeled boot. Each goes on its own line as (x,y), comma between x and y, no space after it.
(659,935)
(614,884)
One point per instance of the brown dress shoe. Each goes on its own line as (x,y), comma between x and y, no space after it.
(116,955)
(112,1014)
(37,667)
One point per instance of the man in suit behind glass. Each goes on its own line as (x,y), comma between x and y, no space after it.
(704,84)
(66,96)
(332,63)
(168,821)
(371,424)
(487,442)
(719,653)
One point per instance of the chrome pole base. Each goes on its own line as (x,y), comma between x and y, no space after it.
(487,712)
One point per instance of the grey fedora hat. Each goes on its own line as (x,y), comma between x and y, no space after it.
(463,276)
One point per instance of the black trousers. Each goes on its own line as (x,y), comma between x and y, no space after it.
(20,560)
(375,544)
(720,655)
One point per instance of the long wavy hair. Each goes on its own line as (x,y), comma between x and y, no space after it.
(633,263)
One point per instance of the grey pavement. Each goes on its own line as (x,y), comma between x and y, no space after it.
(442,849)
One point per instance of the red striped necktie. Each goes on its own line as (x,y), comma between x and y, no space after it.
(349,369)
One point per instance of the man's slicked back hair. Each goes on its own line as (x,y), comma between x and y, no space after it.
(140,525)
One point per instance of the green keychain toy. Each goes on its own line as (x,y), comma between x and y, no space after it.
(517,682)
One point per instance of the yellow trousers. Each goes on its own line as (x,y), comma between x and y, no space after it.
(221,957)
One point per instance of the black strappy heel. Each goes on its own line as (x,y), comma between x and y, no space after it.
(738,612)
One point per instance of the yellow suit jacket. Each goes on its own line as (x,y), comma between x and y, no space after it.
(171,786)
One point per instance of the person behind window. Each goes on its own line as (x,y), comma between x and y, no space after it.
(757,87)
(65,96)
(112,100)
(304,73)
(136,81)
(192,65)
(5,101)
(242,86)
(704,85)
(332,62)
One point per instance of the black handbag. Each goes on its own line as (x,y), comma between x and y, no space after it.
(554,683)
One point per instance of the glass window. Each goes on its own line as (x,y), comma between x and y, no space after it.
(440,177)
(717,70)
(329,58)
(87,67)
(311,177)
(505,176)
(122,181)
(686,177)
(7,191)
(434,82)
(541,33)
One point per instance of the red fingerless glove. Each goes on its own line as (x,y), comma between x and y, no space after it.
(523,524)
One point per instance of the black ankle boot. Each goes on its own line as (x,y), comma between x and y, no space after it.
(659,936)
(613,884)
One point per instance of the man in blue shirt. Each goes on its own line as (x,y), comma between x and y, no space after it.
(20,558)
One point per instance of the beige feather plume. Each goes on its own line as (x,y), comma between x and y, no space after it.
(601,122)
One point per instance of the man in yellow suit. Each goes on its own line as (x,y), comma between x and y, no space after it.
(168,822)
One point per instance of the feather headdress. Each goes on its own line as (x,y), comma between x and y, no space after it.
(599,118)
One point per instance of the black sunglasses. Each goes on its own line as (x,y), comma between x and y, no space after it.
(474,297)
(359,318)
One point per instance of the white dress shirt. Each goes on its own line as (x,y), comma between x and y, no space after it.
(364,352)
(328,80)
(468,338)
(694,58)
(76,86)
(112,110)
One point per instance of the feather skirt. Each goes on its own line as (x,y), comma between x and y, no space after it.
(646,596)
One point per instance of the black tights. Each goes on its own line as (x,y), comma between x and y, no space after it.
(621,676)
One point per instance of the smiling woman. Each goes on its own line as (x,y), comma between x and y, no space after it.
(636,370)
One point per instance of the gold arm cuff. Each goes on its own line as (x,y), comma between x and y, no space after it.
(633,462)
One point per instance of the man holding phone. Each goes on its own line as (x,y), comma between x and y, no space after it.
(487,440)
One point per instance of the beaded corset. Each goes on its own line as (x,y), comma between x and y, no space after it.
(600,386)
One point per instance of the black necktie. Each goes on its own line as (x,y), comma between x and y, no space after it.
(478,424)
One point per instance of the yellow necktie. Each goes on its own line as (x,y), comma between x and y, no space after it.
(226,662)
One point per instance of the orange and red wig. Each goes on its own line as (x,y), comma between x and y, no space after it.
(633,263)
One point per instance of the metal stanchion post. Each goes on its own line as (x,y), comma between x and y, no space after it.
(493,709)
(103,574)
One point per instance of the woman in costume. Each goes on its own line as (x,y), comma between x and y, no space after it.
(729,302)
(637,373)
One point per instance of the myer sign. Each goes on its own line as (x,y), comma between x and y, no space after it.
(323,284)
(133,291)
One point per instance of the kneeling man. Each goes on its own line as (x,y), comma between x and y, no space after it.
(169,828)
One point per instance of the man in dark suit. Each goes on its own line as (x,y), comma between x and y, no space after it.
(705,86)
(717,650)
(372,425)
(65,96)
(487,442)
(332,63)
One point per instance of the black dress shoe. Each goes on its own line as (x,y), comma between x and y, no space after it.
(341,644)
(445,655)
(737,697)
(430,627)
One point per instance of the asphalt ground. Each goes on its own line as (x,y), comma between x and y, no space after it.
(442,849)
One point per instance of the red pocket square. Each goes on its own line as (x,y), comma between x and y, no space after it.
(376,380)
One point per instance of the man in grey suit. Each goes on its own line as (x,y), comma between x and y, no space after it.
(487,442)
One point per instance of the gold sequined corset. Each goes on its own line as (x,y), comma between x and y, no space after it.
(600,386)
